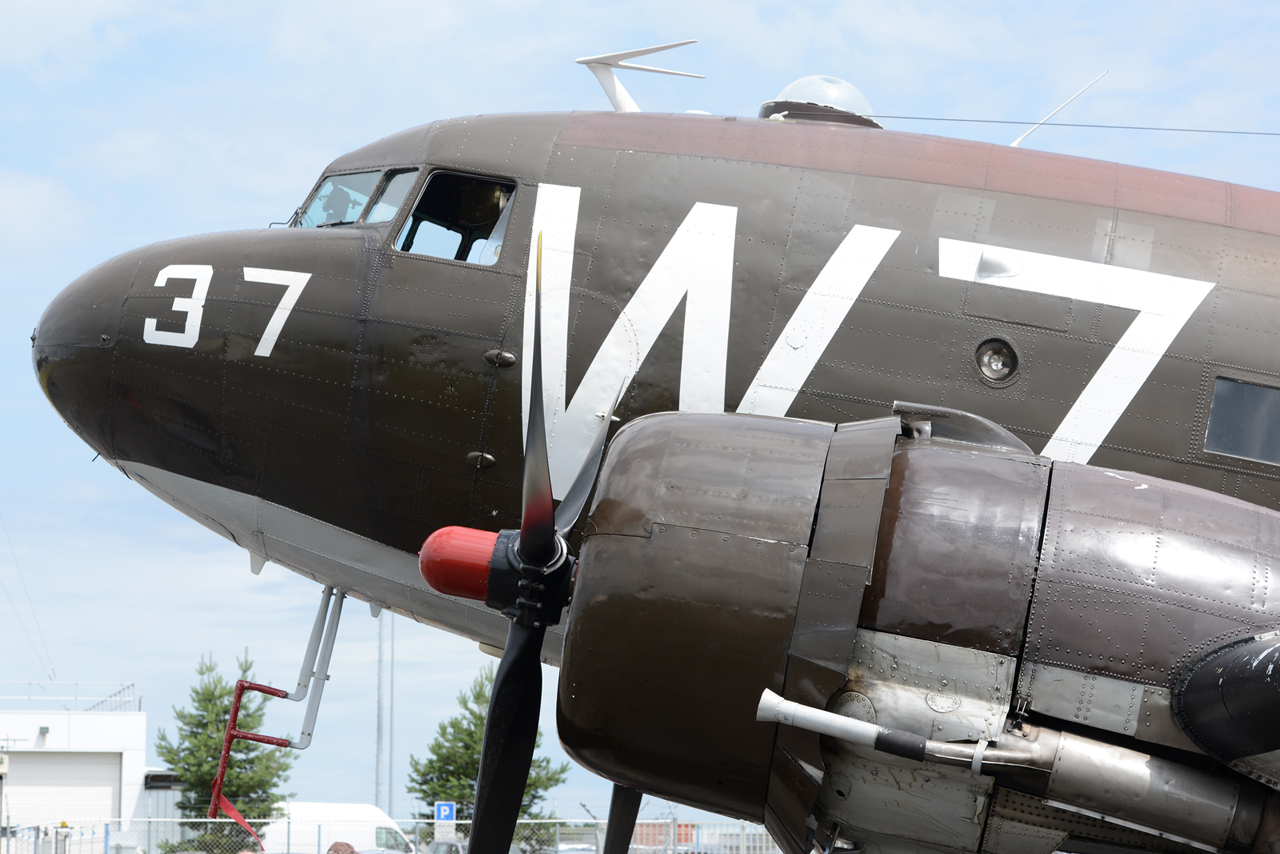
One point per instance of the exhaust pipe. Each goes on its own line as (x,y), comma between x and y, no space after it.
(1126,787)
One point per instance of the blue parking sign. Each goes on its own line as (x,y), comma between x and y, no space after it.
(445,810)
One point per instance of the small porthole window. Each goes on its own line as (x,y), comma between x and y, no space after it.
(997,362)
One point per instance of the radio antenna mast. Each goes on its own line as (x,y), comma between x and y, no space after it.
(1014,144)
(603,68)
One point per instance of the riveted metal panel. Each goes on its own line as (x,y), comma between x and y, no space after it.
(848,519)
(1156,722)
(1007,836)
(827,613)
(1138,577)
(1116,705)
(1098,701)
(862,449)
(1263,767)
(958,545)
(1031,811)
(835,578)
(942,692)
(931,804)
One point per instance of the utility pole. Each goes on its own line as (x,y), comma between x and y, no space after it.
(391,722)
(377,773)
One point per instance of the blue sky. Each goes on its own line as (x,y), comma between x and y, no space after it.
(124,122)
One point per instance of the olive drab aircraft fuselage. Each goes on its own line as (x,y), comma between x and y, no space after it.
(820,271)
(327,395)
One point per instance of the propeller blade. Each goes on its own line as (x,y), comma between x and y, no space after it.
(624,806)
(574,500)
(510,732)
(537,523)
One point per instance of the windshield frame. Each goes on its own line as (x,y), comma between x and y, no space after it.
(514,219)
(385,174)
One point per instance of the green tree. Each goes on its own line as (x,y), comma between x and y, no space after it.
(254,771)
(448,772)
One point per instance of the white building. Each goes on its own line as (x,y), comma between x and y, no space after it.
(71,757)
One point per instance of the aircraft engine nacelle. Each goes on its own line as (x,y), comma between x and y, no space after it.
(926,574)
(685,602)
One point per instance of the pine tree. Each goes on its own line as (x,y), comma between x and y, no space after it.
(449,770)
(254,771)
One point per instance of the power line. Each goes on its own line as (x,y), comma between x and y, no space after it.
(48,659)
(23,625)
(1082,125)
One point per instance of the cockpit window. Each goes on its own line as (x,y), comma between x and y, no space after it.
(391,196)
(339,200)
(1244,421)
(462,217)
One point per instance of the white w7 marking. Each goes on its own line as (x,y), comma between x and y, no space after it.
(1164,305)
(696,266)
(698,262)
(816,320)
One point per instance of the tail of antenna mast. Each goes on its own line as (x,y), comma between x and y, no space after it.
(603,68)
(1019,140)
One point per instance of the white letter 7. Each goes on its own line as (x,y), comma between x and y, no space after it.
(1164,305)
(295,282)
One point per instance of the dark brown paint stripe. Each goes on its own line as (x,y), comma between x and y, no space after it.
(932,160)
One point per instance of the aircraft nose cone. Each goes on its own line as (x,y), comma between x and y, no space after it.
(72,346)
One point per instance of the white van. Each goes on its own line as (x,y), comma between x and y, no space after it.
(310,828)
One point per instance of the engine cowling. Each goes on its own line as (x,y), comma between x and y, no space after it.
(926,572)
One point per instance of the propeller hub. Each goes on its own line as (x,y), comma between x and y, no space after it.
(532,594)
(455,561)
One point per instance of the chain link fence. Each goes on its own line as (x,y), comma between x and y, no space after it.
(223,836)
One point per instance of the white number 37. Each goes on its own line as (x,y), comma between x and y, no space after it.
(193,306)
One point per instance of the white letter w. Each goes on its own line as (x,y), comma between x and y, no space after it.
(697,263)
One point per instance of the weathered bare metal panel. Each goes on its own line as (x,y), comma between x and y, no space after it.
(1156,722)
(1008,836)
(1115,705)
(942,692)
(1031,811)
(1099,701)
(1263,767)
(925,803)
(1133,786)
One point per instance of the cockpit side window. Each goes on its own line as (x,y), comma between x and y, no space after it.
(463,217)
(339,200)
(389,199)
